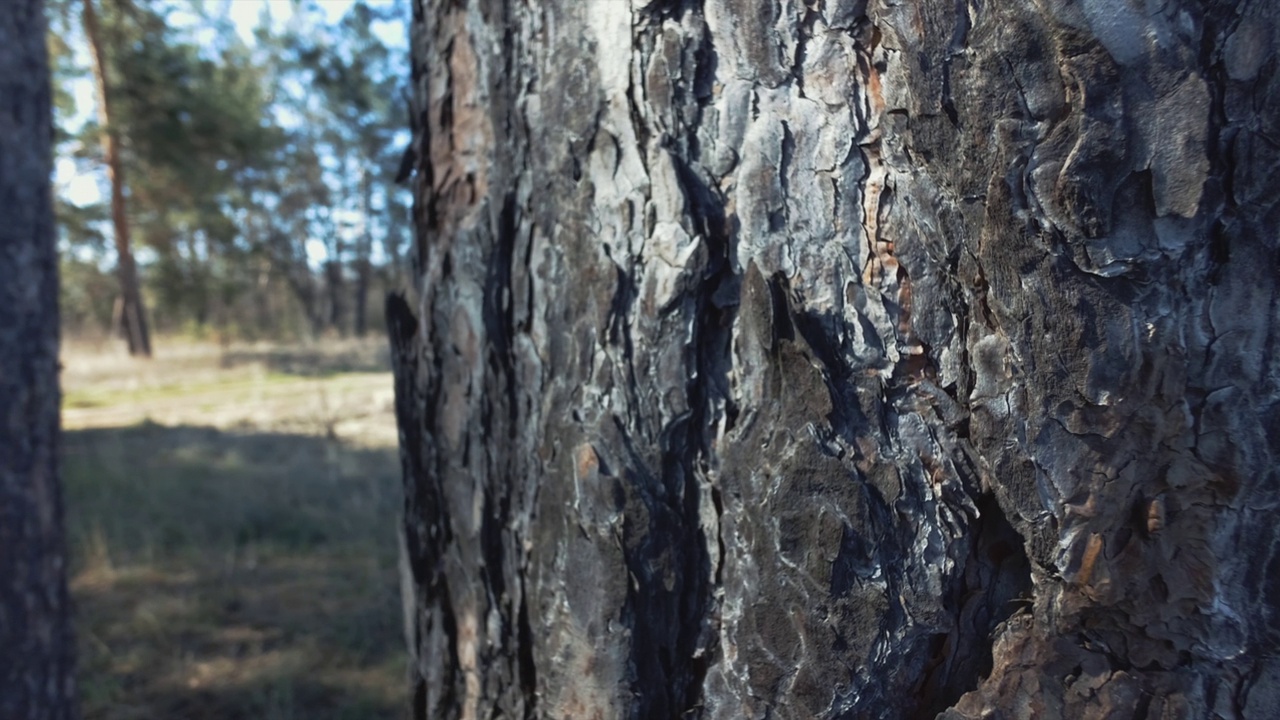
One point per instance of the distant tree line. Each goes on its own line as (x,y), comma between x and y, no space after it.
(247,185)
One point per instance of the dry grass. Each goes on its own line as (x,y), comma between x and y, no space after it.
(231,517)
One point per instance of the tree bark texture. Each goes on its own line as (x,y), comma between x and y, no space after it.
(844,359)
(132,312)
(36,681)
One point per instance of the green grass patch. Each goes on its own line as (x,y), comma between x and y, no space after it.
(233,574)
(176,389)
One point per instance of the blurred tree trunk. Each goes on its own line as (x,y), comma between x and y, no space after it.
(364,273)
(36,650)
(303,284)
(291,258)
(132,314)
(334,286)
(395,271)
(855,359)
(364,248)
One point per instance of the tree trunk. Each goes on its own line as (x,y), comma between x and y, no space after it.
(133,316)
(865,359)
(364,273)
(335,287)
(291,257)
(364,249)
(36,649)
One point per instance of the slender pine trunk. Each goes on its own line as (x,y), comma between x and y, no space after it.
(132,315)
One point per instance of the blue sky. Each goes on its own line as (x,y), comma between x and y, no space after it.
(245,14)
(82,185)
(88,187)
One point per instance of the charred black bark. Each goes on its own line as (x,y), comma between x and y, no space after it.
(36,648)
(854,360)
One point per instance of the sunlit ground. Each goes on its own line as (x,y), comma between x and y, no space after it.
(231,516)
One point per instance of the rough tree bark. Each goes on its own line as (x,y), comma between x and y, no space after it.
(844,359)
(35,636)
(130,312)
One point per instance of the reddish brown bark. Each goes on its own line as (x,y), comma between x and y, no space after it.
(132,316)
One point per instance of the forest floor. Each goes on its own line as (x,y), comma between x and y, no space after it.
(231,517)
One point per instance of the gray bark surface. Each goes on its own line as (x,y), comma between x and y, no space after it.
(36,647)
(844,359)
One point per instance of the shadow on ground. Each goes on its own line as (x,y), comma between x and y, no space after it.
(316,361)
(224,574)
